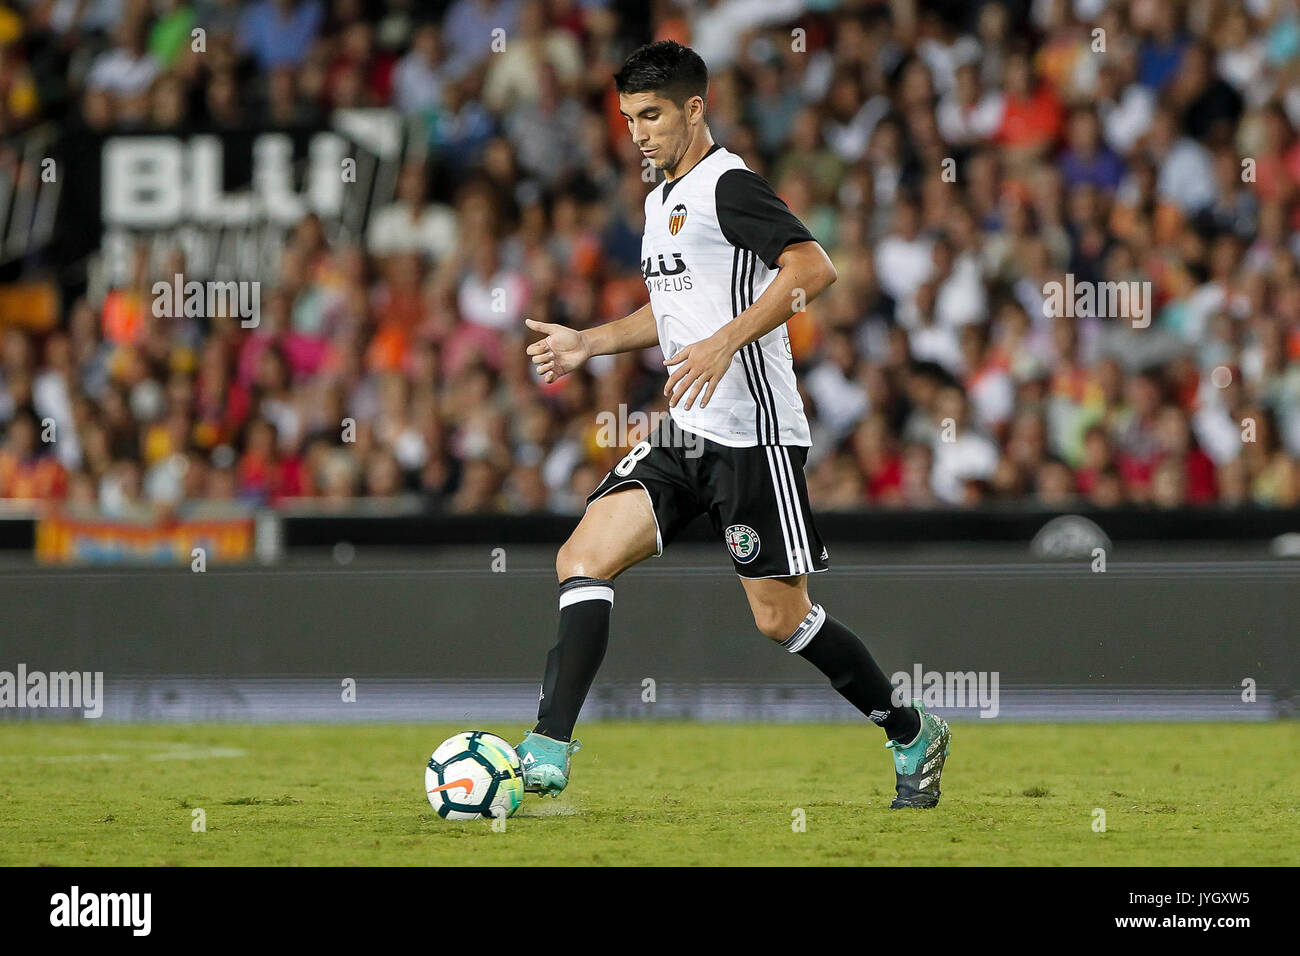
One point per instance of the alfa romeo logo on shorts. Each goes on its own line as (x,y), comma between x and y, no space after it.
(742,542)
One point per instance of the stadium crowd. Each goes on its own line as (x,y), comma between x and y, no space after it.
(954,159)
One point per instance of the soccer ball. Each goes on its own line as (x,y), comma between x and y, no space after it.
(474,774)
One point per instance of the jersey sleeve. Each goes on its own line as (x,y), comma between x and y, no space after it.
(753,217)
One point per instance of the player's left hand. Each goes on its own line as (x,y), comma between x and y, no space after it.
(701,366)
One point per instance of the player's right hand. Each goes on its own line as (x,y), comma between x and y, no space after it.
(559,353)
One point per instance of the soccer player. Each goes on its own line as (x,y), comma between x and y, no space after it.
(725,262)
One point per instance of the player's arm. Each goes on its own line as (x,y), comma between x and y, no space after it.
(632,332)
(752,217)
(805,272)
(562,349)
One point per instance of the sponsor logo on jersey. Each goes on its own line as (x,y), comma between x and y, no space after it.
(677,219)
(742,541)
(658,266)
(663,276)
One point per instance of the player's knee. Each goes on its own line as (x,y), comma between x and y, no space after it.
(575,560)
(775,622)
(566,560)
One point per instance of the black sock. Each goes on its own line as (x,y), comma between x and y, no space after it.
(839,654)
(571,665)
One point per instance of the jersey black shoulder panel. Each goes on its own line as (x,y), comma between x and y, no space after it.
(753,217)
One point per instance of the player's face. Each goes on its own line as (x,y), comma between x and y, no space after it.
(659,127)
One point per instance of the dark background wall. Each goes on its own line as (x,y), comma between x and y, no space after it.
(1205,614)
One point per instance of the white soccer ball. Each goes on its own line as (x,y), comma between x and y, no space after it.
(474,774)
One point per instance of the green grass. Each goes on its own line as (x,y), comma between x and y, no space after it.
(646,793)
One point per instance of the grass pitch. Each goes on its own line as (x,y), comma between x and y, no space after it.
(653,793)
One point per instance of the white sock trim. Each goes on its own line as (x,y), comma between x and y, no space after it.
(595,592)
(806,631)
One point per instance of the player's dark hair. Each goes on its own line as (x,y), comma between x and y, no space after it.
(665,67)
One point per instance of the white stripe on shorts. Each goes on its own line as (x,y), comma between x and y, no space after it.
(783,506)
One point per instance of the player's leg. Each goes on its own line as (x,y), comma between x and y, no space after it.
(784,613)
(617,531)
(636,510)
(761,508)
(919,741)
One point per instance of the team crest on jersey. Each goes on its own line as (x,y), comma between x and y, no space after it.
(677,219)
(742,542)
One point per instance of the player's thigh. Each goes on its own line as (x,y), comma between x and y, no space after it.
(617,531)
(758,505)
(779,605)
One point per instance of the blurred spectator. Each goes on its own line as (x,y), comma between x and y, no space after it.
(410,223)
(960,454)
(280,32)
(471,28)
(127,69)
(420,76)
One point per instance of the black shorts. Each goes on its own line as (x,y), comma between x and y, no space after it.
(756,498)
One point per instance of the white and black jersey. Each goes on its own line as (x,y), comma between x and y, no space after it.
(712,238)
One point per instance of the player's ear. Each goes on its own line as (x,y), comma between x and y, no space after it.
(695,109)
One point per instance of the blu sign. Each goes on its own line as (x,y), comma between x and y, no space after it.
(226,201)
(155,182)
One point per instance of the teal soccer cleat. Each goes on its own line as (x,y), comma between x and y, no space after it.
(545,763)
(919,764)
